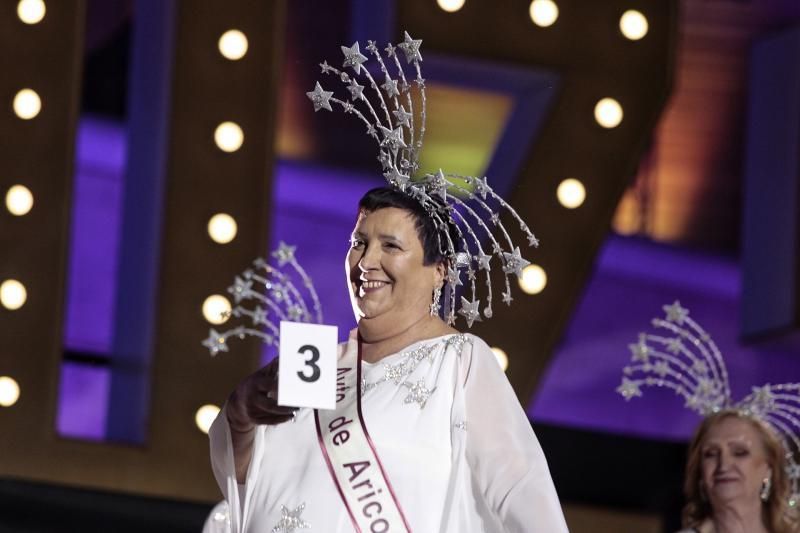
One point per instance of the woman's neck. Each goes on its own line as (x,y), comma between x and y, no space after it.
(741,518)
(379,340)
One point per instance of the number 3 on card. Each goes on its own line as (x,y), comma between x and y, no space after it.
(307,370)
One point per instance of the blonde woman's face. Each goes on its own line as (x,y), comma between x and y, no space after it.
(733,462)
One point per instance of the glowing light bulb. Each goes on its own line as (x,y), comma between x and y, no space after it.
(19,200)
(229,136)
(501,356)
(543,13)
(31,11)
(216,309)
(533,280)
(633,25)
(222,228)
(13,294)
(233,45)
(27,104)
(205,416)
(608,113)
(451,6)
(9,391)
(571,193)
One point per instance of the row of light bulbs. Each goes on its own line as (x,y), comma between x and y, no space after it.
(19,199)
(544,13)
(222,227)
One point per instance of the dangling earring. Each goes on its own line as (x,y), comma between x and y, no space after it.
(766,487)
(437,293)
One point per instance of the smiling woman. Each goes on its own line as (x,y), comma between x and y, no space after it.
(427,434)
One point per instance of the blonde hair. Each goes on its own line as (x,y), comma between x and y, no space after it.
(777,516)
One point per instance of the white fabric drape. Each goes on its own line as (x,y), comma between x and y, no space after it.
(464,460)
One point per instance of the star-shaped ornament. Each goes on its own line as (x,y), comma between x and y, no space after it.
(410,48)
(514,262)
(507,299)
(481,187)
(295,313)
(353,57)
(325,67)
(453,277)
(240,289)
(533,241)
(640,351)
(397,178)
(291,520)
(437,184)
(470,311)
(403,117)
(628,389)
(259,316)
(215,342)
(390,86)
(284,254)
(676,313)
(320,98)
(393,139)
(483,261)
(356,90)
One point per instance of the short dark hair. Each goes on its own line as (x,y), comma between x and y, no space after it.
(429,236)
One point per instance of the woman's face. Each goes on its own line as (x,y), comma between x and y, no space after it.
(733,461)
(384,267)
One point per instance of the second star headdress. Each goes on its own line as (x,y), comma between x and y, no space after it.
(682,357)
(265,295)
(465,203)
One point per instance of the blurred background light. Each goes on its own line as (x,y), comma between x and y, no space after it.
(222,228)
(451,6)
(205,416)
(19,200)
(229,136)
(12,294)
(543,13)
(571,193)
(533,280)
(633,25)
(9,391)
(608,113)
(501,356)
(233,45)
(216,308)
(27,104)
(31,11)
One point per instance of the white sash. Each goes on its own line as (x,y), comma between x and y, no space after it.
(351,457)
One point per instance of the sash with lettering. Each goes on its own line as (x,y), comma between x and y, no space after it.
(351,457)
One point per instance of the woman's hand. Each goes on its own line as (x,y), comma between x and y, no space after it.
(255,401)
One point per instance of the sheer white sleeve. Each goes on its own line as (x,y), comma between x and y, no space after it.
(506,461)
(224,469)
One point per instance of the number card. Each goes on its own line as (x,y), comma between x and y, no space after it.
(307,369)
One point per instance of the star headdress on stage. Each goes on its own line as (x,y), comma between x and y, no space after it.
(685,359)
(465,203)
(266,295)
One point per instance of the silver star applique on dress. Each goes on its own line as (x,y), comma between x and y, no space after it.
(290,520)
(418,393)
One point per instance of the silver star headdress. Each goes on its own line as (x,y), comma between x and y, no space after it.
(267,294)
(452,201)
(686,360)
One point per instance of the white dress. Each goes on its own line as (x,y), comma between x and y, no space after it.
(454,441)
